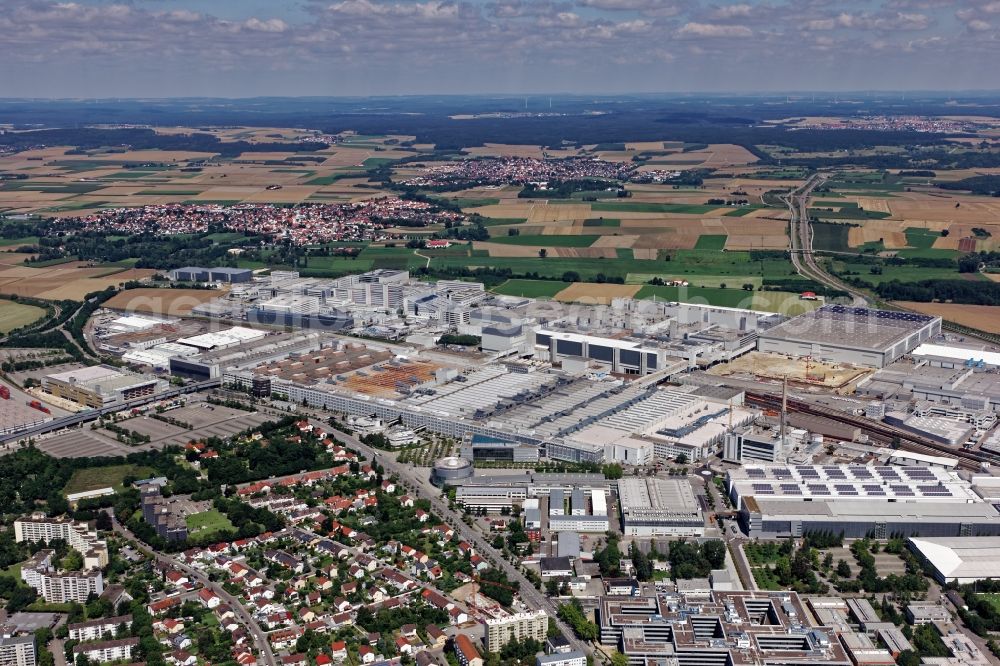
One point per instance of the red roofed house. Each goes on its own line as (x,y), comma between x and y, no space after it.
(466,651)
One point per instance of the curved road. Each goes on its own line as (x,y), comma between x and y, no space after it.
(416,481)
(259,637)
(800,236)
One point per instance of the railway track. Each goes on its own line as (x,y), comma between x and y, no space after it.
(878,431)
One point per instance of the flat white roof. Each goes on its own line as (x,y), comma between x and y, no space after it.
(957,353)
(961,557)
(230,336)
(136,321)
(81,375)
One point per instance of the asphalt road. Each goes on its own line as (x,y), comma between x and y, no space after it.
(259,637)
(416,481)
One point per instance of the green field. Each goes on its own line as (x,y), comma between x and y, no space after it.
(831,237)
(208,522)
(331,179)
(15,315)
(711,242)
(546,241)
(111,476)
(730,298)
(502,221)
(847,213)
(473,202)
(639,207)
(217,202)
(743,210)
(171,193)
(921,241)
(602,222)
(17,242)
(530,288)
(375,162)
(698,280)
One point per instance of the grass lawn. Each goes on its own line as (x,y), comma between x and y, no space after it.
(920,238)
(639,207)
(14,572)
(530,288)
(208,522)
(993,599)
(711,242)
(15,315)
(547,241)
(92,478)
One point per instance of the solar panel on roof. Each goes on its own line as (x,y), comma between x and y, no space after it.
(790,488)
(819,489)
(843,487)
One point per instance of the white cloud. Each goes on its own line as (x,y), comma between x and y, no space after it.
(978,25)
(714,30)
(732,11)
(254,24)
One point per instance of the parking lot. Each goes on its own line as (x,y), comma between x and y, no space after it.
(208,421)
(83,443)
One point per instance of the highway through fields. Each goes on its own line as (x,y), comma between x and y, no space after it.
(800,235)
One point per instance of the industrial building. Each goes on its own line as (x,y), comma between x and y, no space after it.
(626,357)
(966,387)
(792,500)
(451,470)
(959,560)
(724,628)
(588,510)
(858,336)
(218,274)
(652,507)
(101,386)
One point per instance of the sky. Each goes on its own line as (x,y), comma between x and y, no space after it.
(246,48)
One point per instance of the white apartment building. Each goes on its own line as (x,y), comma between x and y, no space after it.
(519,626)
(93,630)
(39,527)
(17,650)
(108,650)
(59,587)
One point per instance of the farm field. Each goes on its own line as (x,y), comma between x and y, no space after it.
(161,301)
(547,241)
(111,476)
(64,280)
(982,317)
(15,315)
(529,288)
(588,292)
